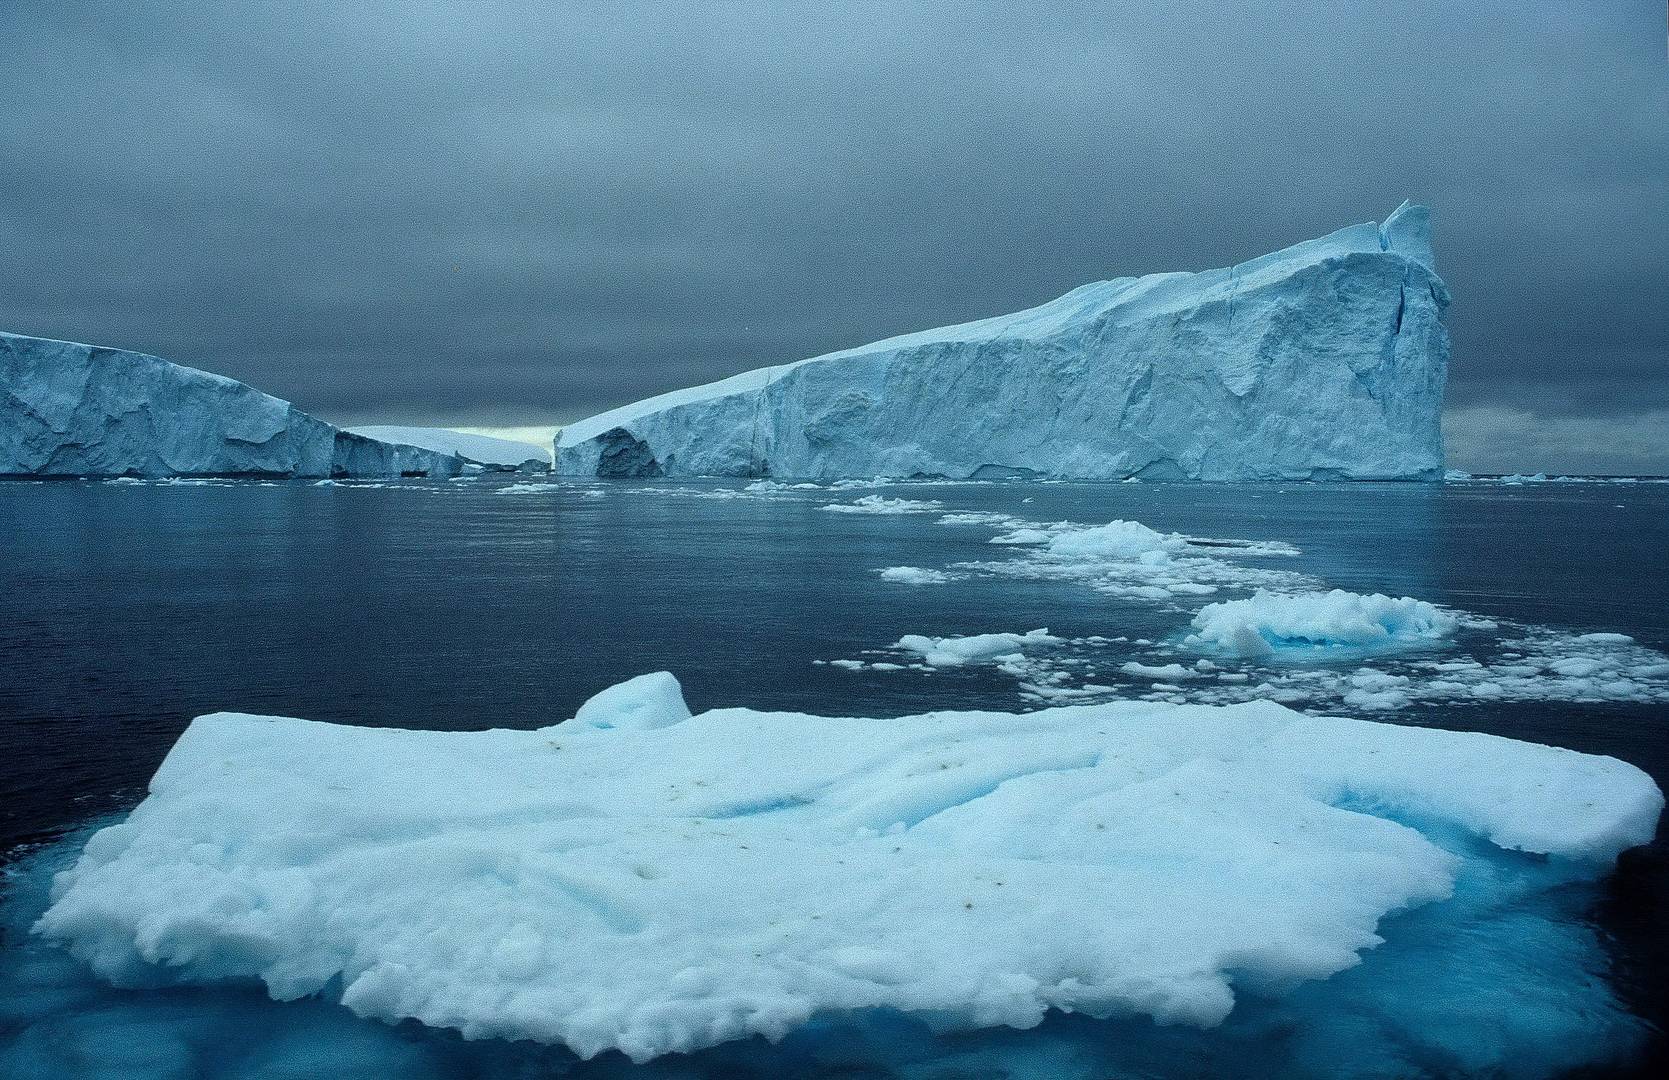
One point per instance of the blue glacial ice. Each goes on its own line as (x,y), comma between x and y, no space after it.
(1324,360)
(83,410)
(1139,879)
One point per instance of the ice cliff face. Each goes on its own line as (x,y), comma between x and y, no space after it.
(81,410)
(1324,360)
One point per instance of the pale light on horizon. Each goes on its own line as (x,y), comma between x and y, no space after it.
(540,435)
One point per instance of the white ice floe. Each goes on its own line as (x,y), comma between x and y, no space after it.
(1168,672)
(772,486)
(980,517)
(1125,541)
(648,881)
(914,575)
(1265,622)
(977,648)
(880,504)
(1520,479)
(1129,559)
(552,487)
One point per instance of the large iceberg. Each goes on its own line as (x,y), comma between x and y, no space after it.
(84,410)
(1324,360)
(645,880)
(502,454)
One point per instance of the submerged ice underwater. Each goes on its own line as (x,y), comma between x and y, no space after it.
(1178,866)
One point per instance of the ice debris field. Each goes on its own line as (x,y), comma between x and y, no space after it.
(643,880)
(1291,640)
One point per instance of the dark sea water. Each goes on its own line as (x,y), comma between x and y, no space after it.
(126,609)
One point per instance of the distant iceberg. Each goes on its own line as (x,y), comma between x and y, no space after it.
(84,410)
(650,881)
(475,449)
(1324,360)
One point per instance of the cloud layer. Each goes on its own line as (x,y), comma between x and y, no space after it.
(449,213)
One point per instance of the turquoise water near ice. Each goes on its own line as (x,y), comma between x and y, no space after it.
(129,608)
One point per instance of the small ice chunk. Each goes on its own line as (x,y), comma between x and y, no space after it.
(1124,541)
(976,648)
(1168,672)
(644,703)
(1266,622)
(914,575)
(880,504)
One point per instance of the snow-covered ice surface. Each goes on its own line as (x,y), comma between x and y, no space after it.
(1325,359)
(83,410)
(481,449)
(647,881)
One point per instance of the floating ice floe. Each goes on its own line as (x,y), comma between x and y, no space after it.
(1545,666)
(1116,540)
(1519,479)
(1265,623)
(977,648)
(772,486)
(643,880)
(880,504)
(914,575)
(1129,559)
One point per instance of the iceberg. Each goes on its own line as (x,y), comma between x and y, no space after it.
(648,880)
(84,410)
(495,454)
(1326,360)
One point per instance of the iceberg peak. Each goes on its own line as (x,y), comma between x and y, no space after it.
(1408,232)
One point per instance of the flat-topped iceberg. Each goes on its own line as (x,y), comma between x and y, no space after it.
(83,410)
(476,449)
(649,881)
(1324,360)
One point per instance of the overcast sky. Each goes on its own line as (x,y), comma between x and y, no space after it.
(456,214)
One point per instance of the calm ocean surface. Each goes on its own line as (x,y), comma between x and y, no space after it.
(126,609)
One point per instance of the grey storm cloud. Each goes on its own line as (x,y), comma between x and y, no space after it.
(491,214)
